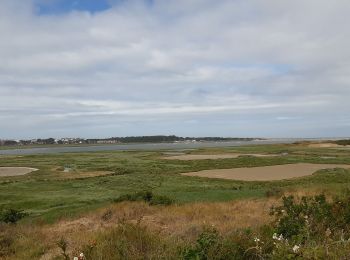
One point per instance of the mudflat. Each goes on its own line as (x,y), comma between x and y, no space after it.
(15,171)
(190,157)
(266,173)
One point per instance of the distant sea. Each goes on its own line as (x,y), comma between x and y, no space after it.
(145,146)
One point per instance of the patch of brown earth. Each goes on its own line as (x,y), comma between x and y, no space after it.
(15,171)
(324,145)
(266,173)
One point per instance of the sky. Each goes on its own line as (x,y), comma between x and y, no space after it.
(234,68)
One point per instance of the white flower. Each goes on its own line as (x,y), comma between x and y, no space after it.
(296,248)
(280,238)
(283,211)
(256,239)
(81,255)
(276,237)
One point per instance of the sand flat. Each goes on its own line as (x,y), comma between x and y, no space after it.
(15,171)
(190,157)
(266,173)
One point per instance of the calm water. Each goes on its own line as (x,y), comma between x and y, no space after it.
(128,147)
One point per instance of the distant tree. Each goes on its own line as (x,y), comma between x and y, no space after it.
(10,142)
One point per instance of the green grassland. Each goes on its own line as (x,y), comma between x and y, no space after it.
(47,195)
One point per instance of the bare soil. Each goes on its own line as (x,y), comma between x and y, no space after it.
(15,171)
(266,173)
(324,145)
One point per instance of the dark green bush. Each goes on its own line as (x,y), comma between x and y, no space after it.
(12,215)
(274,192)
(207,242)
(312,217)
(146,196)
(161,200)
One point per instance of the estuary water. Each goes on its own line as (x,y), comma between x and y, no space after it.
(139,146)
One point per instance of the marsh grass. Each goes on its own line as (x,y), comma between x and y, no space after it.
(47,195)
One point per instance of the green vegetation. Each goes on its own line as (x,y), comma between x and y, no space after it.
(146,196)
(50,193)
(308,228)
(342,142)
(11,215)
(146,190)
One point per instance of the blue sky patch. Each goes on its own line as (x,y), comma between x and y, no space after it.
(65,6)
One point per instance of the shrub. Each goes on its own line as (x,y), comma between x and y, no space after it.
(146,196)
(274,192)
(207,242)
(161,200)
(310,218)
(12,215)
(63,245)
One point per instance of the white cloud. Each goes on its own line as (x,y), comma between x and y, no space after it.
(219,63)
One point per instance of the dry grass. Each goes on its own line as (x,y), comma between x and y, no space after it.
(183,222)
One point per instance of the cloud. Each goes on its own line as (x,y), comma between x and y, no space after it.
(231,68)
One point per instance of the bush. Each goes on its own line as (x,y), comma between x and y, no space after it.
(146,196)
(63,245)
(312,218)
(207,243)
(12,215)
(274,192)
(161,200)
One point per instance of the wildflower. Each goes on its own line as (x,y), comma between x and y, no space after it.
(283,211)
(280,238)
(275,236)
(295,248)
(256,240)
(81,256)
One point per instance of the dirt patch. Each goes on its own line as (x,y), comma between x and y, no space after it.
(189,157)
(15,171)
(327,145)
(266,173)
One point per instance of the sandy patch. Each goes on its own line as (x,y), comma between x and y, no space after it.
(324,145)
(15,171)
(189,157)
(266,173)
